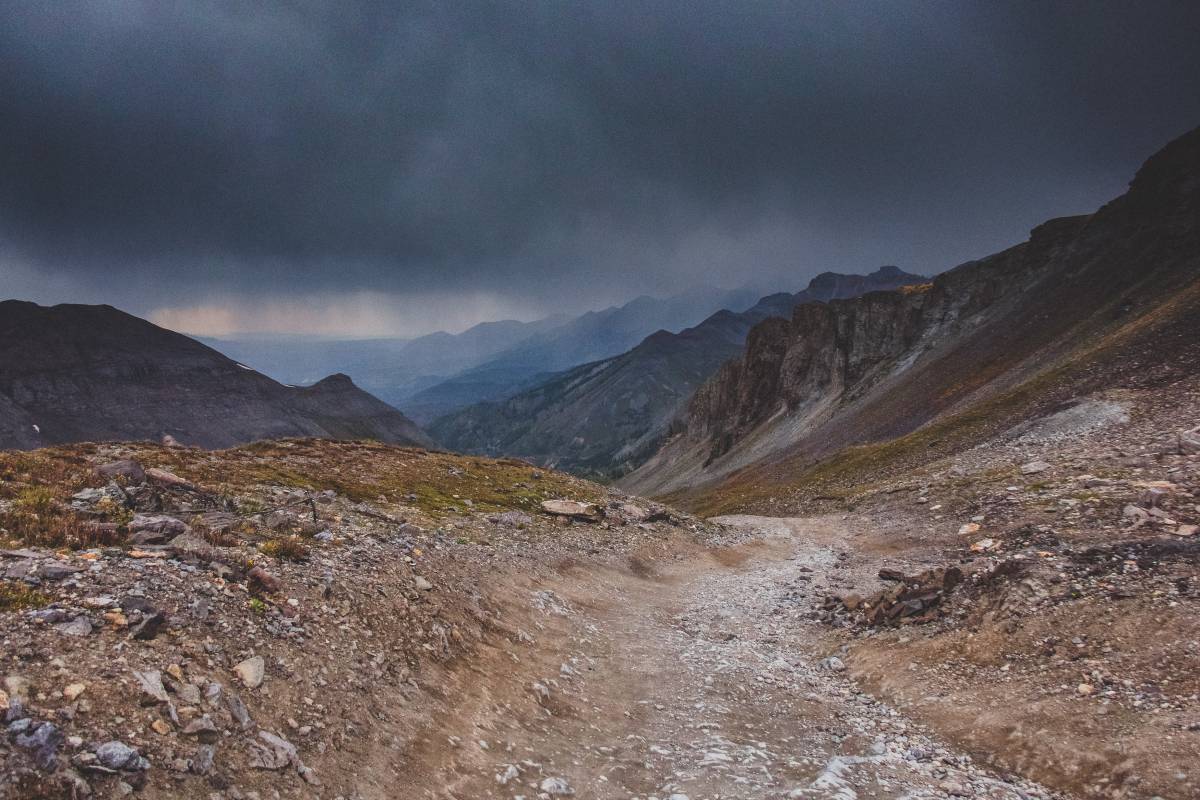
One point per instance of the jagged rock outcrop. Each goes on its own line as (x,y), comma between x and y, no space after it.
(86,373)
(605,418)
(873,368)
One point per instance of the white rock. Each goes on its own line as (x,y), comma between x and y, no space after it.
(833,664)
(251,672)
(556,786)
(150,682)
(569,508)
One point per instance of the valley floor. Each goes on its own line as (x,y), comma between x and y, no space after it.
(702,677)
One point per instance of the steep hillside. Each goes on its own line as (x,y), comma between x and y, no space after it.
(1054,314)
(73,373)
(593,336)
(604,418)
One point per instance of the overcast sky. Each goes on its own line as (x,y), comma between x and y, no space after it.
(401,167)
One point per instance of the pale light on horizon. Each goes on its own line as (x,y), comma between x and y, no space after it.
(356,315)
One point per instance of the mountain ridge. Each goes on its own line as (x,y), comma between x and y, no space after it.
(602,418)
(865,371)
(391,368)
(82,373)
(590,337)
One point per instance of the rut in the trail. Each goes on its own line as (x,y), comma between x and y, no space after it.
(707,682)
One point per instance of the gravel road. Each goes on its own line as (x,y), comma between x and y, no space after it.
(706,680)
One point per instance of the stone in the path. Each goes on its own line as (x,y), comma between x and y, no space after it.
(203,729)
(272,752)
(557,787)
(237,710)
(251,672)
(149,627)
(202,762)
(1034,467)
(54,571)
(42,739)
(80,626)
(151,685)
(118,755)
(833,664)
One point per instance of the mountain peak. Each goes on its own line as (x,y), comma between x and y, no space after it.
(336,380)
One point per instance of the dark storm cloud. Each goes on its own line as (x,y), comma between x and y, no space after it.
(162,151)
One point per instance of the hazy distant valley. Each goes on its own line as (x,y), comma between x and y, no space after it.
(439,373)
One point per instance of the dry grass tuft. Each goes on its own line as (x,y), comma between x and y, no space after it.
(288,548)
(19,597)
(37,517)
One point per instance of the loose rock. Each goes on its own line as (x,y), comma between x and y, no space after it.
(251,672)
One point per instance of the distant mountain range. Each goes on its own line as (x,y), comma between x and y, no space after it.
(73,373)
(849,389)
(603,418)
(594,335)
(392,368)
(438,373)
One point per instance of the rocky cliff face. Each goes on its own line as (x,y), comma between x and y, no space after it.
(882,365)
(87,373)
(605,418)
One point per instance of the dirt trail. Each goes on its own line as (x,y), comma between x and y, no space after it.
(702,679)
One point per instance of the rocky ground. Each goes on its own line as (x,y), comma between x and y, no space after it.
(1035,599)
(266,621)
(339,620)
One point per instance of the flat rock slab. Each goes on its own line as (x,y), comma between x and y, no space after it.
(570,508)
